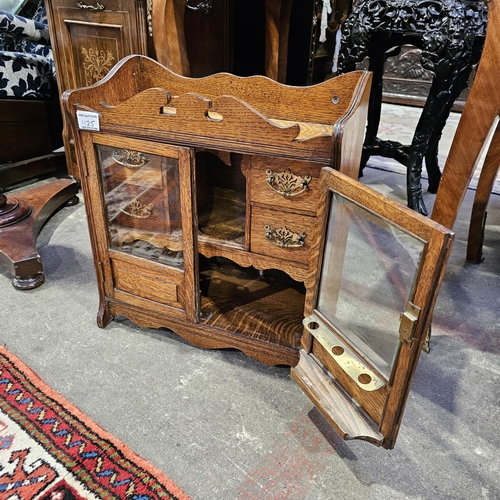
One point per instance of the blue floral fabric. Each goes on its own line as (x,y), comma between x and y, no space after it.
(26,61)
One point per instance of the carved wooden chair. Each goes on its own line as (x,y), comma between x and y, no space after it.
(480,113)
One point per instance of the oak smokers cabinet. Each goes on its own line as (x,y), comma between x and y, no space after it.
(216,209)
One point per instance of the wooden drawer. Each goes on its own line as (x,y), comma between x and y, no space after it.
(275,234)
(297,180)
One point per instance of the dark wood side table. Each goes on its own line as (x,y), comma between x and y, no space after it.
(451,35)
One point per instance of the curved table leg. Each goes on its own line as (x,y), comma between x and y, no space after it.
(446,86)
(431,157)
(376,66)
(18,254)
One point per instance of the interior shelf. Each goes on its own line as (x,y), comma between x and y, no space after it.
(267,305)
(224,218)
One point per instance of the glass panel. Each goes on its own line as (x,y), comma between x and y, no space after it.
(143,204)
(367,278)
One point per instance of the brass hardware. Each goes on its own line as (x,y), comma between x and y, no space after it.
(408,322)
(84,6)
(427,342)
(149,16)
(283,237)
(357,370)
(287,183)
(204,7)
(214,116)
(138,210)
(168,110)
(129,158)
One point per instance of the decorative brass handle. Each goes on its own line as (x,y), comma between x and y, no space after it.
(138,210)
(287,183)
(81,5)
(283,237)
(149,16)
(129,158)
(205,7)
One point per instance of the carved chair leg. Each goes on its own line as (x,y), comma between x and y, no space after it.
(444,89)
(485,185)
(277,27)
(376,65)
(431,159)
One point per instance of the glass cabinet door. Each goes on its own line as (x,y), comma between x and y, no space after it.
(378,270)
(142,199)
(145,196)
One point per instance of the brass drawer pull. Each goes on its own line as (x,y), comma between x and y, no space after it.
(129,158)
(84,6)
(138,210)
(287,183)
(284,238)
(204,7)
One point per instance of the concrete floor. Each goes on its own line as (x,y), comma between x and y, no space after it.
(224,426)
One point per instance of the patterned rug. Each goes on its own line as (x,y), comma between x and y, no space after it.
(49,450)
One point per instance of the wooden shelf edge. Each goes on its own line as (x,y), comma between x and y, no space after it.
(205,337)
(341,412)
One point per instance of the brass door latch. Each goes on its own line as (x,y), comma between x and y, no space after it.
(408,322)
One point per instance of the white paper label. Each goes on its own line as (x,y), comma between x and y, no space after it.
(88,120)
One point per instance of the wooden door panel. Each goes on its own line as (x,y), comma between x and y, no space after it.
(95,51)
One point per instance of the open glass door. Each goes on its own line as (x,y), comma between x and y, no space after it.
(376,276)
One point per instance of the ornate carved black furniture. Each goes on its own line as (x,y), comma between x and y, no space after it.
(450,34)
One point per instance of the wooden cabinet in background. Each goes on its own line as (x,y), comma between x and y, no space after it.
(214,211)
(88,38)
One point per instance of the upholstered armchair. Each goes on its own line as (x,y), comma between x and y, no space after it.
(26,62)
(31,131)
(30,115)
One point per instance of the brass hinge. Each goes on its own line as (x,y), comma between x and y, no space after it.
(408,323)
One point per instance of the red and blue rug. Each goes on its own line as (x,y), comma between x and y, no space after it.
(50,450)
